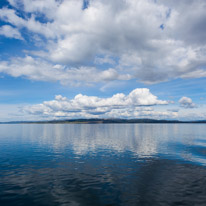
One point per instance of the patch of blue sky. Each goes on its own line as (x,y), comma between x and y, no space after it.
(4,3)
(42,18)
(2,23)
(120,86)
(162,26)
(21,90)
(85,4)
(177,88)
(10,48)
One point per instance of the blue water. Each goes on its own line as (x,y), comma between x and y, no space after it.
(102,164)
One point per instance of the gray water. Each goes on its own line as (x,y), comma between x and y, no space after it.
(102,164)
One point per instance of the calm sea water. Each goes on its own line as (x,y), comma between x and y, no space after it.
(102,164)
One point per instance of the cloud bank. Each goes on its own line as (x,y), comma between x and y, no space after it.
(136,104)
(150,41)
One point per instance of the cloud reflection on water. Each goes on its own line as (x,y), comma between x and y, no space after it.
(142,140)
(102,164)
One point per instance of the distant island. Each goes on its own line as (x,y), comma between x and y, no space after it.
(103,121)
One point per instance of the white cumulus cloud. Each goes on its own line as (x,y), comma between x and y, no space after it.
(186,102)
(135,104)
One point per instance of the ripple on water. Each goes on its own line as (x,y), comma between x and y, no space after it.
(88,165)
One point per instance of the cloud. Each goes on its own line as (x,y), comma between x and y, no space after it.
(10,32)
(173,110)
(187,103)
(46,6)
(124,34)
(10,16)
(135,104)
(104,60)
(40,70)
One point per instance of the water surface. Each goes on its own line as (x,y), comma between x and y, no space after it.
(102,164)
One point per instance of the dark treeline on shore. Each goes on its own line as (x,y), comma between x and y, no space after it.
(102,121)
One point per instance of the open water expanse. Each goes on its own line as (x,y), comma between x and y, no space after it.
(102,164)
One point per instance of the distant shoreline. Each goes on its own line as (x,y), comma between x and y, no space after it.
(106,121)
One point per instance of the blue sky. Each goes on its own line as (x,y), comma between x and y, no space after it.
(102,59)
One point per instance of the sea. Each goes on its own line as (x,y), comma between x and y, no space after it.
(102,164)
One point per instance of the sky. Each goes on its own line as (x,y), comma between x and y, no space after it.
(67,59)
